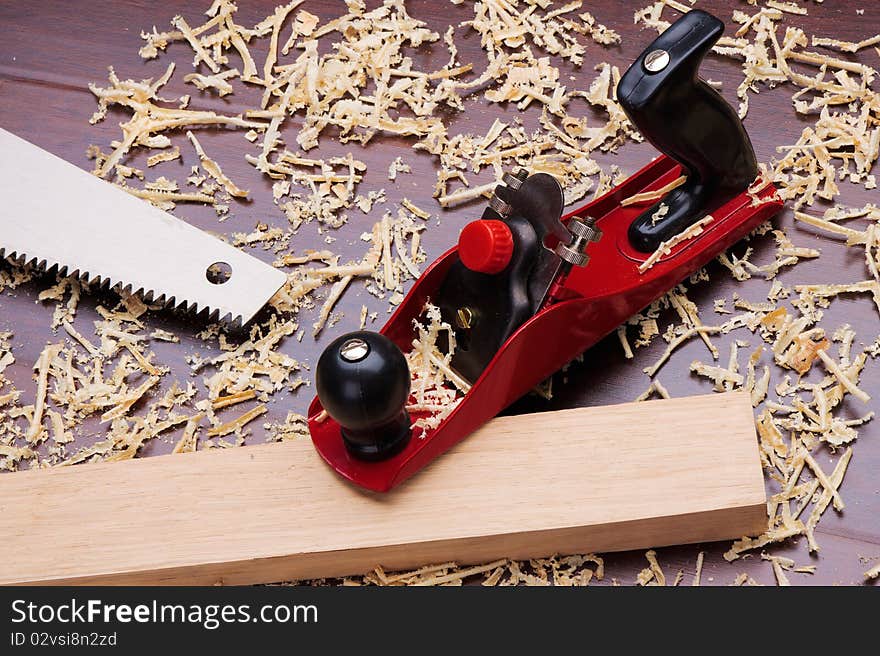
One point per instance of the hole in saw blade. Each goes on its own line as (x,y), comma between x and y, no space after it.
(218,273)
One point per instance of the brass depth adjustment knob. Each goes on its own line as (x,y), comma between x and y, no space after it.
(363,383)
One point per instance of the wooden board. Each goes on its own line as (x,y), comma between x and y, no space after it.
(585,480)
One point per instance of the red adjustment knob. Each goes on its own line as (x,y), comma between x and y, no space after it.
(485,246)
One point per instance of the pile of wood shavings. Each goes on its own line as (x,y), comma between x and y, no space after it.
(331,90)
(85,380)
(436,388)
(576,570)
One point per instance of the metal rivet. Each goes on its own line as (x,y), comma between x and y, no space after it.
(463,318)
(656,60)
(354,350)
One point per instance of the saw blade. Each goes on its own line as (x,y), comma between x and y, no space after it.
(54,214)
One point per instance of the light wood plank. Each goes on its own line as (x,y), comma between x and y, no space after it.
(590,479)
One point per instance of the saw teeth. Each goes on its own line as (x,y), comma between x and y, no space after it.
(97,282)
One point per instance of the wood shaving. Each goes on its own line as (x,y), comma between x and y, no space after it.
(650,196)
(238,423)
(699,569)
(720,376)
(744,579)
(201,53)
(436,388)
(166,155)
(678,341)
(213,169)
(189,441)
(42,366)
(653,574)
(828,494)
(295,427)
(781,565)
(336,292)
(689,314)
(845,46)
(397,166)
(255,364)
(624,343)
(768,537)
(218,82)
(787,7)
(662,210)
(232,399)
(65,310)
(656,387)
(166,200)
(126,403)
(823,480)
(835,369)
(460,574)
(665,248)
(415,211)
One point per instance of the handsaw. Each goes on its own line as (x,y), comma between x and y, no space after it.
(59,217)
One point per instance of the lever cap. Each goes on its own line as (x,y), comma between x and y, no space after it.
(485,246)
(363,383)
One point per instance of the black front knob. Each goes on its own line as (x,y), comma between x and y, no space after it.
(363,382)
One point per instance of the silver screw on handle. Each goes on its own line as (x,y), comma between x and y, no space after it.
(656,61)
(354,350)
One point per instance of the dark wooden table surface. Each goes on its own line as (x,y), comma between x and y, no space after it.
(52,49)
